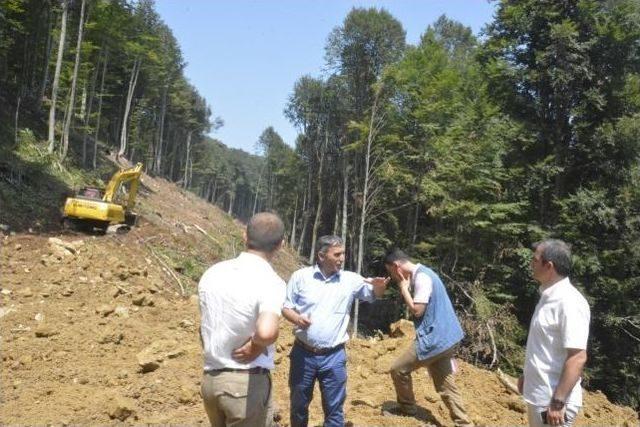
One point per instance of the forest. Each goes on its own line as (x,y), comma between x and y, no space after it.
(462,149)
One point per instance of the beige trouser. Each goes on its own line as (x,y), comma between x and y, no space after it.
(237,399)
(441,372)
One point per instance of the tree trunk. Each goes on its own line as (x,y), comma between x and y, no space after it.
(174,156)
(363,212)
(345,200)
(47,55)
(292,236)
(416,214)
(15,124)
(159,148)
(232,197)
(97,135)
(214,192)
(316,222)
(74,83)
(305,221)
(336,219)
(255,201)
(185,183)
(56,77)
(87,115)
(127,108)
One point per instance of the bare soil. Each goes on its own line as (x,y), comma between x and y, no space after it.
(103,329)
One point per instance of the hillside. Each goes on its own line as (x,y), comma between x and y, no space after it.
(102,329)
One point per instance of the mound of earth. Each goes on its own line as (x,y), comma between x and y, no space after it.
(103,329)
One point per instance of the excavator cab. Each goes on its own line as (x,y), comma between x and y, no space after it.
(94,209)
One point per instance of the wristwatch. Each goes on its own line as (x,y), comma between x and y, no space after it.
(557,403)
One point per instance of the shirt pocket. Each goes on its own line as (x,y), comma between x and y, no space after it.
(548,323)
(343,305)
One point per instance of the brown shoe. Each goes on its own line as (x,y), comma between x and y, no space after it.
(400,411)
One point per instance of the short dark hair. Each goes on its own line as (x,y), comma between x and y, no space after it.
(325,242)
(395,254)
(556,251)
(265,232)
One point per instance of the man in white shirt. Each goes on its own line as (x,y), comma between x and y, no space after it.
(240,304)
(557,342)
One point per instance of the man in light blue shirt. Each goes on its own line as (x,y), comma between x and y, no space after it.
(318,303)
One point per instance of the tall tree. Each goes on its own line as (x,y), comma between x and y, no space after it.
(74,80)
(56,78)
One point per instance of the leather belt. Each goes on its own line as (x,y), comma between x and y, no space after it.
(317,350)
(256,370)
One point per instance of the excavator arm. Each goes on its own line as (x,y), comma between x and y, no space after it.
(121,177)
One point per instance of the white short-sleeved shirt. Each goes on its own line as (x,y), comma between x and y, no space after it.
(422,286)
(560,321)
(232,294)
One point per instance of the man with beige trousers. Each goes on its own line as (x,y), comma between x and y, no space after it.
(438,333)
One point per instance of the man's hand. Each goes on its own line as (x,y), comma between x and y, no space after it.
(403,279)
(520,384)
(302,321)
(248,352)
(379,285)
(555,415)
(378,281)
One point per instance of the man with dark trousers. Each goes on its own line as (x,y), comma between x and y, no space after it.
(318,303)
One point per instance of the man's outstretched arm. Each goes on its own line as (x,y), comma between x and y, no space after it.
(379,285)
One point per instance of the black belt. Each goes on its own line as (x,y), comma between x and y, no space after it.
(317,350)
(256,370)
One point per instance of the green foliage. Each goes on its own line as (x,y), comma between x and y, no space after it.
(188,264)
(367,41)
(481,148)
(563,70)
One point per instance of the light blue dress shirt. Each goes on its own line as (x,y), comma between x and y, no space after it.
(326,301)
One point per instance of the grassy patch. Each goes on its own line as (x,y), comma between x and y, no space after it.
(186,263)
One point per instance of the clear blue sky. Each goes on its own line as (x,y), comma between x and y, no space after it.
(244,56)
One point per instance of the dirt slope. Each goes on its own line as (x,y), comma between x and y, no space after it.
(102,329)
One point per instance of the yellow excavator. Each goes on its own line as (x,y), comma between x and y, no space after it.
(93,209)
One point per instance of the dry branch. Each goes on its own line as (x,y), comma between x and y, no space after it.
(168,269)
(493,346)
(200,229)
(506,381)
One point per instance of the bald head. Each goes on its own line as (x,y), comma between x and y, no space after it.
(265,232)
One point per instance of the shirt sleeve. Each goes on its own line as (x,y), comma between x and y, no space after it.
(273,298)
(364,290)
(291,292)
(574,323)
(422,288)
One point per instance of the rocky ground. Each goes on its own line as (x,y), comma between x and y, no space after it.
(103,329)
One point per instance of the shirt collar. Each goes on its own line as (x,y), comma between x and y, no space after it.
(318,273)
(416,268)
(249,257)
(551,290)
